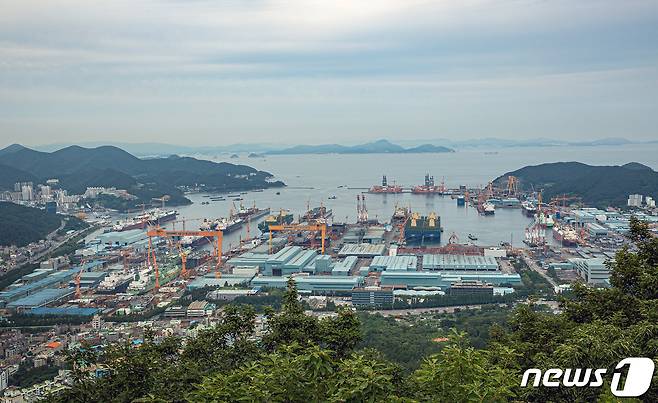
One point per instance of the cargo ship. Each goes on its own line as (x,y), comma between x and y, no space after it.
(385,187)
(528,209)
(115,282)
(284,217)
(567,236)
(421,229)
(154,217)
(251,213)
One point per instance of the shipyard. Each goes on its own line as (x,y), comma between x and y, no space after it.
(312,201)
(387,248)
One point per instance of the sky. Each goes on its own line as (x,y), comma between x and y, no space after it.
(304,71)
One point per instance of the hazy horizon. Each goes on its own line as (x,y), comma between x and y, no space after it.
(309,72)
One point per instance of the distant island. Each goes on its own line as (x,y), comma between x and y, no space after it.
(377,147)
(600,186)
(77,168)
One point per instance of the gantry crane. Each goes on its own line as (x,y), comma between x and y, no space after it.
(162,233)
(322,227)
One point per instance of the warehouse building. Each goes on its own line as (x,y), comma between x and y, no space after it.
(459,263)
(399,262)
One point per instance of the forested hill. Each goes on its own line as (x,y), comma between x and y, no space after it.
(600,186)
(20,225)
(78,168)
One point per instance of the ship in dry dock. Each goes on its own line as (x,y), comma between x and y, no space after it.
(566,235)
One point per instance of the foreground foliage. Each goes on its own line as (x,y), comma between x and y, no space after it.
(302,358)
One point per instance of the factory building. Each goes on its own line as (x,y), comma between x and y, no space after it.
(374,235)
(407,279)
(592,270)
(471,287)
(249,259)
(41,298)
(57,278)
(372,297)
(200,309)
(320,284)
(399,262)
(362,250)
(344,267)
(596,230)
(459,263)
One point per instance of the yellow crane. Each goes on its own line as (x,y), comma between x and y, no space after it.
(162,233)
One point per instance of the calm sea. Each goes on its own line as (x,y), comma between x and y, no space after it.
(312,179)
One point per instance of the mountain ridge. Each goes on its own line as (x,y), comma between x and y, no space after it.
(109,166)
(600,186)
(376,147)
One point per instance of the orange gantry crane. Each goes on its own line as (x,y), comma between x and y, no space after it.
(322,227)
(162,233)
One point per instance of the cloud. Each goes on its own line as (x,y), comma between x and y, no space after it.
(292,68)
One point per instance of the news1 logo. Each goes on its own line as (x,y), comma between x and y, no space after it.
(638,377)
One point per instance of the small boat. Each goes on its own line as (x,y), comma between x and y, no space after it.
(332,197)
(472,237)
(278,193)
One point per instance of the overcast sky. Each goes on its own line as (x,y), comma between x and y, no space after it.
(306,71)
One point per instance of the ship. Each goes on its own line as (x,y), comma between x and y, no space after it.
(145,279)
(421,229)
(528,208)
(488,208)
(400,213)
(193,241)
(284,217)
(251,213)
(567,236)
(461,201)
(154,217)
(385,187)
(226,225)
(115,282)
(317,213)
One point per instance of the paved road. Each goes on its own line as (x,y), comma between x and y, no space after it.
(534,266)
